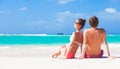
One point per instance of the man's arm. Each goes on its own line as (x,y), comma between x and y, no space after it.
(106,45)
(84,46)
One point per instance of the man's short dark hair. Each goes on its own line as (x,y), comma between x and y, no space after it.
(93,21)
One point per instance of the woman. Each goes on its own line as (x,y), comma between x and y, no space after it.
(76,40)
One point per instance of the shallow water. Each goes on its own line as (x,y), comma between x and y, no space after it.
(45,40)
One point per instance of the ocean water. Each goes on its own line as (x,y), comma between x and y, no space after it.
(44,39)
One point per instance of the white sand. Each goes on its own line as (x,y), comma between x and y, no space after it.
(36,57)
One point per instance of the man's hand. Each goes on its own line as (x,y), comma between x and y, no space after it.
(81,57)
(111,57)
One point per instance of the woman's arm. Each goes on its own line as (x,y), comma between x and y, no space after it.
(72,39)
(69,46)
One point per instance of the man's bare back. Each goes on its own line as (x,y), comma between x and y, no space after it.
(94,38)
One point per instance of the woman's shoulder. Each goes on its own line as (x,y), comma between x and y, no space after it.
(73,33)
(76,33)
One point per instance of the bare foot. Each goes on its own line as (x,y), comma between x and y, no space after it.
(55,55)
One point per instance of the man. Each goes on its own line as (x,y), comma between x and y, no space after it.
(93,38)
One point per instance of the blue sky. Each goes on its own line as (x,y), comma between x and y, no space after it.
(56,16)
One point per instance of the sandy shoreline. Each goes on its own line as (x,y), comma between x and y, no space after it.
(40,51)
(36,57)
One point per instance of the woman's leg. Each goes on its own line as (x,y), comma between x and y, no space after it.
(61,51)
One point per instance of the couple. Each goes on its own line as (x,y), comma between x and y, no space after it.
(90,41)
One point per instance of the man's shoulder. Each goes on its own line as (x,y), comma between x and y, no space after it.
(101,29)
(98,29)
(86,30)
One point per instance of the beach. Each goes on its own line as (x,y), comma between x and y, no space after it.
(37,57)
(32,30)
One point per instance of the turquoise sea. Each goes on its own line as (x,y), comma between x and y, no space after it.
(17,39)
